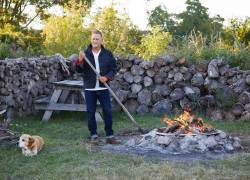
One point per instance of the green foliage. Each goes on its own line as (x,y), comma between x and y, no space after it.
(154,43)
(238,31)
(11,50)
(65,34)
(160,17)
(15,43)
(196,47)
(194,18)
(12,12)
(119,33)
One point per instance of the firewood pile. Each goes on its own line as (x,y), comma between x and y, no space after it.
(23,80)
(7,137)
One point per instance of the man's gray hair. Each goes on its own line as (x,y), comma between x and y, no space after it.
(96,31)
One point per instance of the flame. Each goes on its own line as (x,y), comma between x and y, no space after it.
(187,123)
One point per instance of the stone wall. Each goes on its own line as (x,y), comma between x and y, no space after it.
(168,84)
(164,85)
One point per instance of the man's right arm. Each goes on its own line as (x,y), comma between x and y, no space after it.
(80,62)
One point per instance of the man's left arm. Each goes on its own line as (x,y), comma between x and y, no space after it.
(112,71)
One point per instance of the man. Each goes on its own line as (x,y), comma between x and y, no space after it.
(105,64)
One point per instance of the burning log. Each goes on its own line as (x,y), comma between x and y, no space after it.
(186,124)
(172,127)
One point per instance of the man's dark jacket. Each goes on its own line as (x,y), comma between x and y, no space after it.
(107,64)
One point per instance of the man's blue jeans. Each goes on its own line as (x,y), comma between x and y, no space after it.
(91,101)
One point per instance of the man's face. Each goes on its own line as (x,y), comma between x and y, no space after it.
(96,40)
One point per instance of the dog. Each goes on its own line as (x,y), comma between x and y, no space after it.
(30,145)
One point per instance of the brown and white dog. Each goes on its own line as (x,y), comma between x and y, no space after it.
(30,145)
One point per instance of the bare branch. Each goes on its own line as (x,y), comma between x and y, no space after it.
(30,21)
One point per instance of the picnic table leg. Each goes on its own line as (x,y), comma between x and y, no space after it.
(64,95)
(54,98)
(98,114)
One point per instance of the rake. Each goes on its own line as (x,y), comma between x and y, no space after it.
(113,94)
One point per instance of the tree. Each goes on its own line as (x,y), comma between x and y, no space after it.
(65,34)
(13,11)
(154,43)
(119,33)
(195,17)
(160,17)
(217,24)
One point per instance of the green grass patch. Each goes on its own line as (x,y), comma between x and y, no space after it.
(66,154)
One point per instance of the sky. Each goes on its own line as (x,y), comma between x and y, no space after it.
(137,9)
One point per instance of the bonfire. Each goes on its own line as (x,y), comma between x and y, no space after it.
(186,124)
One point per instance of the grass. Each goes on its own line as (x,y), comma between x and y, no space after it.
(67,155)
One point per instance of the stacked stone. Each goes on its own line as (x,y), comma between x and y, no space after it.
(164,85)
(167,84)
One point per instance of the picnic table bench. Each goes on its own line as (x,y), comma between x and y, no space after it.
(56,102)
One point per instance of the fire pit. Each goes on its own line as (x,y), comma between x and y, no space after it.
(185,134)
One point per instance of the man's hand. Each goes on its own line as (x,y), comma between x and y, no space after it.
(81,56)
(103,79)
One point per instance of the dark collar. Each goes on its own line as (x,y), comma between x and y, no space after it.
(89,48)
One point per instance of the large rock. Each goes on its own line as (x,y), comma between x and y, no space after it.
(128,77)
(192,92)
(169,59)
(223,70)
(137,70)
(178,77)
(163,106)
(238,109)
(114,85)
(142,109)
(201,66)
(187,76)
(122,95)
(146,64)
(177,94)
(127,64)
(197,80)
(144,97)
(163,90)
(216,115)
(136,88)
(248,79)
(239,86)
(171,74)
(158,79)
(137,79)
(247,107)
(211,85)
(244,97)
(213,70)
(148,81)
(208,101)
(156,97)
(150,73)
(131,105)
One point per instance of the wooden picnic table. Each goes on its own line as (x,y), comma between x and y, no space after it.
(61,91)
